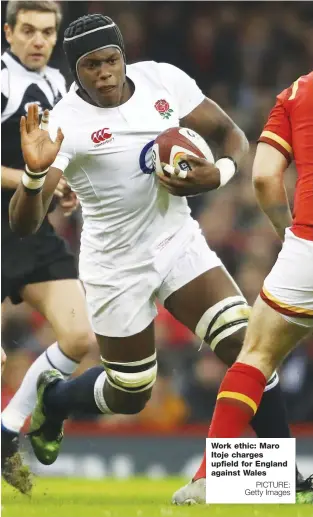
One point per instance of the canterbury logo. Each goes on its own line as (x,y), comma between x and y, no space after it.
(102,135)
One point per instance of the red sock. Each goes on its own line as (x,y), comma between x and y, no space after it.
(238,399)
(201,472)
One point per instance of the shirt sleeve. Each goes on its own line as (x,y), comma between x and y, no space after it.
(4,86)
(64,88)
(277,130)
(185,89)
(66,153)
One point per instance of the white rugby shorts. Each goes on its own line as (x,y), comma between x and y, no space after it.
(289,286)
(121,300)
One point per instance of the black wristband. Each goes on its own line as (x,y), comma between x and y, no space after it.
(32,191)
(36,176)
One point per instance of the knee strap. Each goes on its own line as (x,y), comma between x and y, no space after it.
(223,319)
(132,377)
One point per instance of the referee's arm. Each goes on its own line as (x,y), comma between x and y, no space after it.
(28,209)
(10,178)
(31,200)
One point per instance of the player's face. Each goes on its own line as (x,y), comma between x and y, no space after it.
(102,75)
(33,38)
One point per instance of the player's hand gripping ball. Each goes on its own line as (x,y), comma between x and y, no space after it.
(184,162)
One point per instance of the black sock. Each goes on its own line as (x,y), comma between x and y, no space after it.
(270,420)
(77,395)
(299,477)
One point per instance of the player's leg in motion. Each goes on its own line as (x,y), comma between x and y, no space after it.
(122,385)
(265,346)
(62,302)
(264,349)
(212,306)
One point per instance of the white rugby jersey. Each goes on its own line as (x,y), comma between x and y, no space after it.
(106,159)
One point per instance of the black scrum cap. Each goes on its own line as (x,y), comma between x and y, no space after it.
(90,33)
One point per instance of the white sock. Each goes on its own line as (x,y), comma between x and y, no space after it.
(98,393)
(272,381)
(24,400)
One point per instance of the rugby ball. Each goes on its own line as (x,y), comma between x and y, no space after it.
(173,143)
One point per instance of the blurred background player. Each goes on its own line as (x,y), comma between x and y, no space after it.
(196,292)
(37,269)
(3,359)
(286,299)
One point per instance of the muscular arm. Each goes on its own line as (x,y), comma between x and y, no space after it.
(10,178)
(268,181)
(213,124)
(26,212)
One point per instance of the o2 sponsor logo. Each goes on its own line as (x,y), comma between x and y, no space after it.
(180,163)
(146,160)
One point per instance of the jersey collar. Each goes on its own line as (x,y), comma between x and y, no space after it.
(17,59)
(130,74)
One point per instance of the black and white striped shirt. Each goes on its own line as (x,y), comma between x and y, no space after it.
(20,87)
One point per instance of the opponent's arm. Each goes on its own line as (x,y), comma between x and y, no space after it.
(31,200)
(268,181)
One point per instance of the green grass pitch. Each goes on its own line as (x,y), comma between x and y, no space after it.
(136,497)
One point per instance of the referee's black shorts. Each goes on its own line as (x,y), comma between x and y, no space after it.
(41,257)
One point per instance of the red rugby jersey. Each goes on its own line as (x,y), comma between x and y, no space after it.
(290,130)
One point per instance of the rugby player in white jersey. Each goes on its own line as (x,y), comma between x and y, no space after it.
(139,241)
